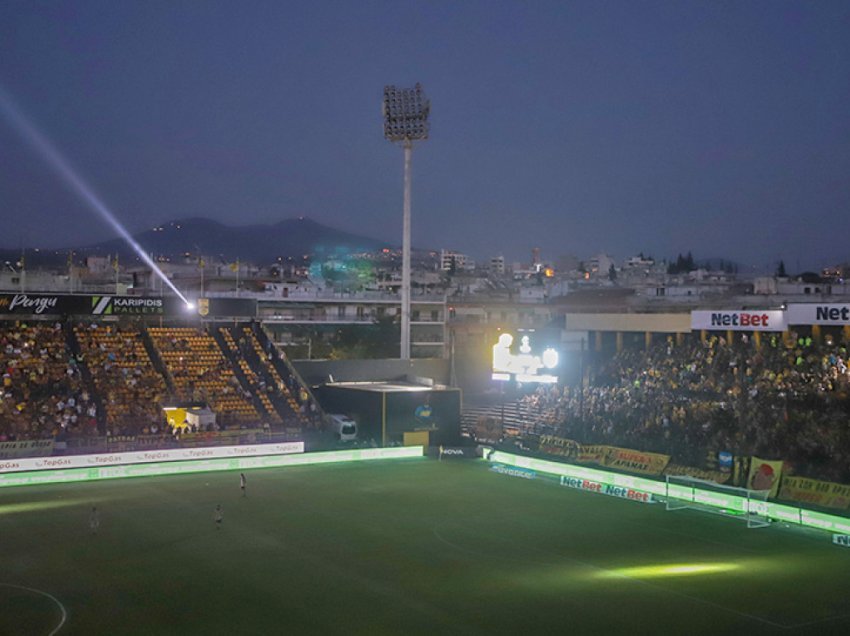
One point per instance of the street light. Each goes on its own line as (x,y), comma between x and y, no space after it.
(405,120)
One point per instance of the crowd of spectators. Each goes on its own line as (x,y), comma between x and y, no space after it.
(201,372)
(130,388)
(283,387)
(785,399)
(99,380)
(43,395)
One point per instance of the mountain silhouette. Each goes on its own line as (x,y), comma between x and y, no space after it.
(257,244)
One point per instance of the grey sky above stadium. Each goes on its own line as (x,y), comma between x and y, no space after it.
(578,127)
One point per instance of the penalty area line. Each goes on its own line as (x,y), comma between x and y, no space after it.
(62,609)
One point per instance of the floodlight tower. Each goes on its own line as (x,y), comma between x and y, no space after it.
(406,120)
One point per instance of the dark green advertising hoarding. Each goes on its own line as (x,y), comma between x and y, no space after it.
(111,305)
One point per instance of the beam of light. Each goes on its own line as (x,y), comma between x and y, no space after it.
(668,570)
(38,506)
(51,155)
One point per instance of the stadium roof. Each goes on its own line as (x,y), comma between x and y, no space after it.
(383,387)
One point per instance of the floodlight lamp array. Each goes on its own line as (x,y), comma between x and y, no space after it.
(405,113)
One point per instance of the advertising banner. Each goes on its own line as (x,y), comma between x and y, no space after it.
(743,320)
(813,491)
(513,471)
(764,475)
(142,457)
(606,489)
(658,488)
(717,476)
(815,314)
(609,456)
(841,539)
(110,305)
(560,446)
(44,304)
(635,461)
(70,475)
(84,304)
(29,448)
(454,452)
(593,453)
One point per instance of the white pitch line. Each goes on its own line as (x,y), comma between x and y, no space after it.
(48,595)
(818,621)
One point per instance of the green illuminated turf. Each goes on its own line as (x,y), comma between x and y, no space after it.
(400,547)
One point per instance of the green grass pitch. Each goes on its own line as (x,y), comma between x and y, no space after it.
(399,547)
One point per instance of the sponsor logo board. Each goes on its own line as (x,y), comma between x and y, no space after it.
(606,489)
(744,320)
(454,452)
(143,457)
(513,471)
(818,314)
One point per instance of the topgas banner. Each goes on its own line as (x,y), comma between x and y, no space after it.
(735,320)
(815,314)
(141,457)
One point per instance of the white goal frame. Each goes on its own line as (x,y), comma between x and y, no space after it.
(745,504)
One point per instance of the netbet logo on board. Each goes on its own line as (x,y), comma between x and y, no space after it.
(740,319)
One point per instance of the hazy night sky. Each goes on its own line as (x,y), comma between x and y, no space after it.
(719,127)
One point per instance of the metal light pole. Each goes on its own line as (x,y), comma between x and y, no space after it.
(405,120)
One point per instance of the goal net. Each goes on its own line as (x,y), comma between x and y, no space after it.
(745,504)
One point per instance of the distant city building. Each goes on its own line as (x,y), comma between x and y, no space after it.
(600,264)
(455,261)
(639,262)
(497,265)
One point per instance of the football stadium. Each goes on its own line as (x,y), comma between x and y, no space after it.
(240,396)
(188,479)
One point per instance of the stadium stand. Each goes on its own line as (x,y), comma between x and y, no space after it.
(103,385)
(269,363)
(131,389)
(786,399)
(259,388)
(43,392)
(200,371)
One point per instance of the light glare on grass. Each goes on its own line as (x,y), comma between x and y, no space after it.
(675,569)
(38,506)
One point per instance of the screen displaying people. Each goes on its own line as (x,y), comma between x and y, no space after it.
(524,362)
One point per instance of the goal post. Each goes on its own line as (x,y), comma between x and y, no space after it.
(683,491)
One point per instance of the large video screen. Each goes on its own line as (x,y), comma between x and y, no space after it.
(526,355)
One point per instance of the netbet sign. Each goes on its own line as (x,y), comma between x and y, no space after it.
(815,314)
(606,489)
(744,320)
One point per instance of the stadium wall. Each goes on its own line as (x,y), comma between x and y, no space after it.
(652,323)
